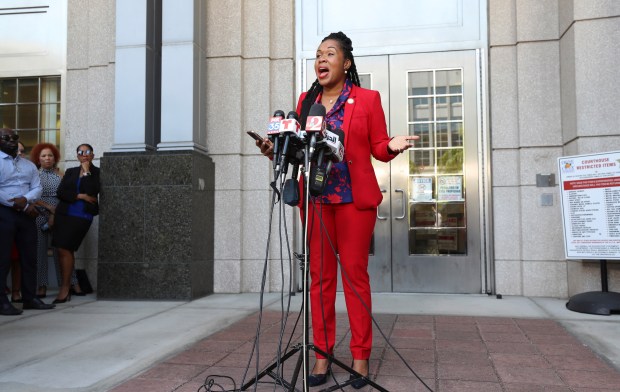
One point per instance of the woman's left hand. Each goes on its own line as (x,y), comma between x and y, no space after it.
(401,143)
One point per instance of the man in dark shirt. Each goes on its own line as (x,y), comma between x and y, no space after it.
(19,188)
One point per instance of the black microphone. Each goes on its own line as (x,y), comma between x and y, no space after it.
(273,133)
(315,125)
(331,149)
(289,128)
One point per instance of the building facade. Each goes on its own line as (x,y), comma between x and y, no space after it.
(165,91)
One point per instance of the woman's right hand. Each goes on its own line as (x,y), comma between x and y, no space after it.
(87,198)
(266,147)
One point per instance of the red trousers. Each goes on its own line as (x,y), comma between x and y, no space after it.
(350,231)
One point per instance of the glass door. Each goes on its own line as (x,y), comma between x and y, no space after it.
(435,198)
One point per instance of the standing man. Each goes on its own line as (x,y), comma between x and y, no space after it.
(19,188)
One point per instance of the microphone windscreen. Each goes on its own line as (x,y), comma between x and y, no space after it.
(292,114)
(278,113)
(340,134)
(317,110)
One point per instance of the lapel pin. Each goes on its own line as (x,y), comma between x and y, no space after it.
(350,101)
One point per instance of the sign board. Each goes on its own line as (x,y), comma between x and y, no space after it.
(422,189)
(450,188)
(590,200)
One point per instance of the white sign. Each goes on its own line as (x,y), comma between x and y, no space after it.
(590,199)
(422,189)
(450,188)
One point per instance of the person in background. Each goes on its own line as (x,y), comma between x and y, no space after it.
(46,156)
(19,188)
(345,213)
(16,275)
(78,193)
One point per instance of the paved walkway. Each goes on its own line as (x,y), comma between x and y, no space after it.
(453,342)
(449,353)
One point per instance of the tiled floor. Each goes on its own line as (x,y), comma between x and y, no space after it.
(450,353)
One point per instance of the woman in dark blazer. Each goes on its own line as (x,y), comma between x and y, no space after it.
(78,193)
(345,213)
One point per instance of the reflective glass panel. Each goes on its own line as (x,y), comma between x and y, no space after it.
(8,90)
(28,90)
(421,83)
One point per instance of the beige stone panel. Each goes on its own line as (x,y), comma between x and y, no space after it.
(77,34)
(255,223)
(538,161)
(224,32)
(282,85)
(227,223)
(227,276)
(227,172)
(502,22)
(539,94)
(76,113)
(282,29)
(256,173)
(100,130)
(506,223)
(545,279)
(101,32)
(568,87)
(590,9)
(585,275)
(588,145)
(537,20)
(541,226)
(504,105)
(597,50)
(508,280)
(223,106)
(252,272)
(505,167)
(256,91)
(257,25)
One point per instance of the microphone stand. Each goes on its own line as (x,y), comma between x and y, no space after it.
(305,346)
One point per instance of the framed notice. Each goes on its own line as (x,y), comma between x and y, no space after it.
(590,199)
(422,189)
(450,188)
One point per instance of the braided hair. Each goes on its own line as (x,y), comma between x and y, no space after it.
(347,48)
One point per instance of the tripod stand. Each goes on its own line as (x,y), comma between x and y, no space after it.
(303,349)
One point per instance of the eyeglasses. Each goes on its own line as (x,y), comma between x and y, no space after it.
(83,152)
(14,137)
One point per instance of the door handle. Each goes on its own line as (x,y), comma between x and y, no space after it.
(404,204)
(379,216)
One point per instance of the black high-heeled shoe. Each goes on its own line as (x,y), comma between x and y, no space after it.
(314,380)
(62,301)
(78,293)
(360,382)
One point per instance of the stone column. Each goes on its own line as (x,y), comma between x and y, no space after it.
(156,222)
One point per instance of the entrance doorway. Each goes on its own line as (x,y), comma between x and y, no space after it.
(427,236)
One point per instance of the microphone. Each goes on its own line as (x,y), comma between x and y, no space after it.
(289,128)
(315,125)
(334,141)
(331,148)
(273,133)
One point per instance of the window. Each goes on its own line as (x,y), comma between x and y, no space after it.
(31,106)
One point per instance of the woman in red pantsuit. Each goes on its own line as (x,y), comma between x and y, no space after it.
(348,205)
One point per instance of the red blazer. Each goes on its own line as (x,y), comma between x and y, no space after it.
(365,134)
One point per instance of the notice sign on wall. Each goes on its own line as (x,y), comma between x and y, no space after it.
(590,199)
